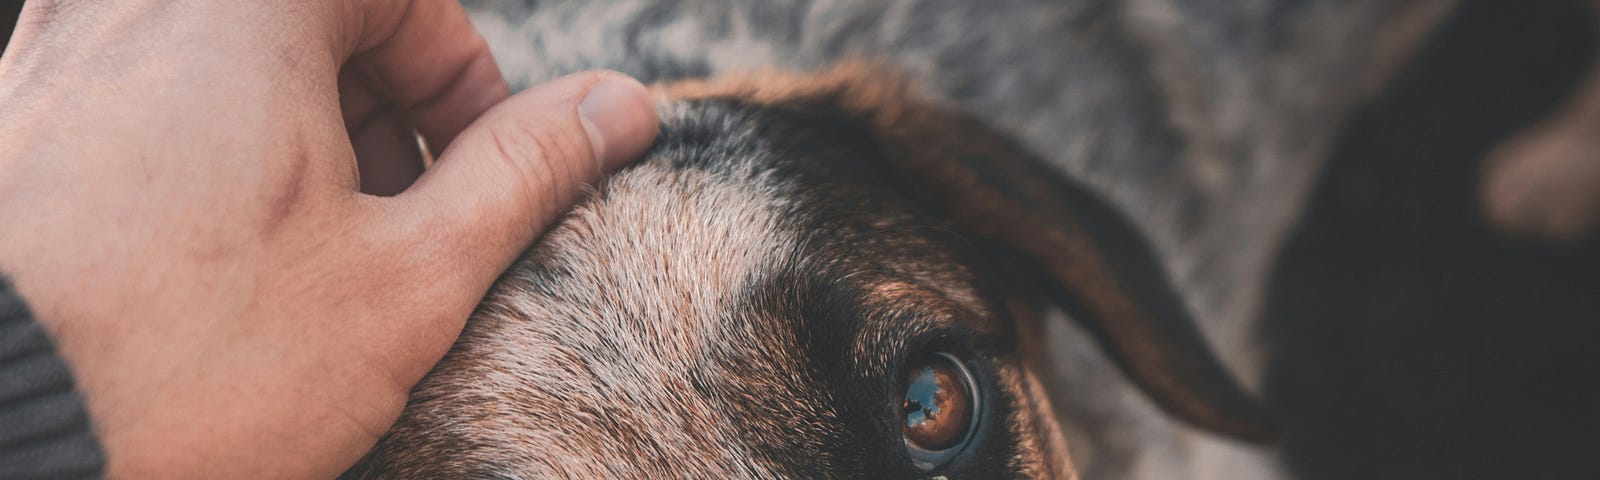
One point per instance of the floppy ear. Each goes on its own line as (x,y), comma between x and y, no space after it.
(1094,263)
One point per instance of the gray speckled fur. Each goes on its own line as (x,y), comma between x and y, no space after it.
(1204,120)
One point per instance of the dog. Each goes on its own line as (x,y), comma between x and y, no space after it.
(830,267)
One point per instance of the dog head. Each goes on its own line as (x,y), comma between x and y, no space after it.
(807,276)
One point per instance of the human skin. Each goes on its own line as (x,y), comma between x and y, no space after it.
(182,205)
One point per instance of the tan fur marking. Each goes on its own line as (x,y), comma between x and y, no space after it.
(1041,445)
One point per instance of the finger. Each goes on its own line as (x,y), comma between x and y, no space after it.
(511,173)
(426,57)
(359,100)
(387,155)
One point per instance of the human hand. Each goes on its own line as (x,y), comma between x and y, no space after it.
(180,203)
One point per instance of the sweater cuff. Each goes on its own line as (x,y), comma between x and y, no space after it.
(44,428)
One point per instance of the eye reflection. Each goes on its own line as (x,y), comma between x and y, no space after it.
(938,404)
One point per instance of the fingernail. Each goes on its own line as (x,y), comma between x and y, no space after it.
(619,118)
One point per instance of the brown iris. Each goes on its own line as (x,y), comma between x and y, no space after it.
(937,404)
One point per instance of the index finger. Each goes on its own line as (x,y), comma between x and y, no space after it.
(427,58)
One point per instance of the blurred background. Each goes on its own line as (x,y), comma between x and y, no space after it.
(1408,339)
(8,21)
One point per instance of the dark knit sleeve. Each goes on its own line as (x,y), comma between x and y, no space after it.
(44,429)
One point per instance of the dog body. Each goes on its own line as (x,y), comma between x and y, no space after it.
(740,303)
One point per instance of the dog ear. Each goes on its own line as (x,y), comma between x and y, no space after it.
(1093,261)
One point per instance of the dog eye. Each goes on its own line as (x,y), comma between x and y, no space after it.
(940,409)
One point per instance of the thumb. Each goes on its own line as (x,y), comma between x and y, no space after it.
(522,164)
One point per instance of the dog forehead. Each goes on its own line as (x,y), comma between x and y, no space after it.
(662,255)
(618,331)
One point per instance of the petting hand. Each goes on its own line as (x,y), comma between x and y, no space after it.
(181,202)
